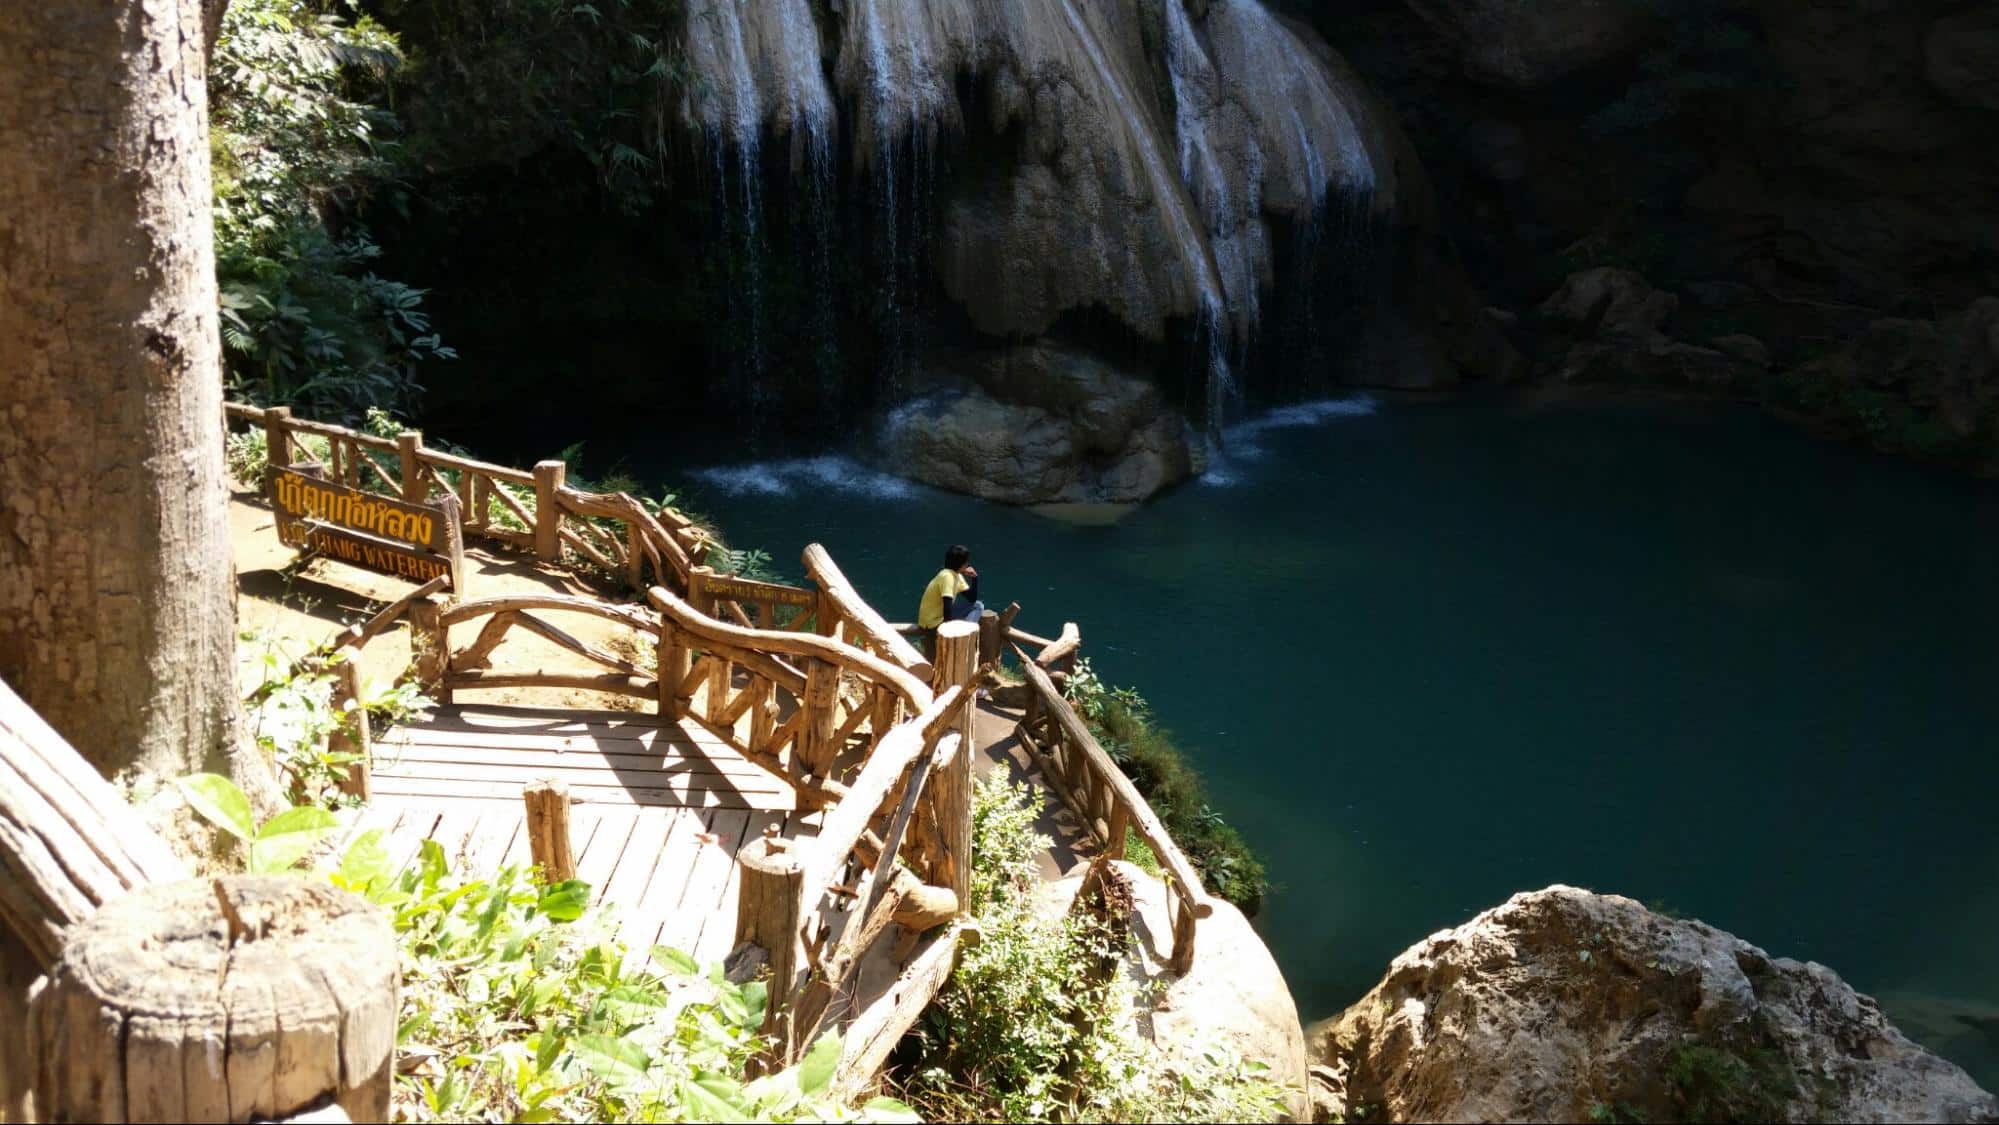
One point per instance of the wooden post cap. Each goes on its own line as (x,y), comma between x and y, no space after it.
(248,997)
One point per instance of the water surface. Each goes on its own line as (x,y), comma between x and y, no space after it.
(1431,655)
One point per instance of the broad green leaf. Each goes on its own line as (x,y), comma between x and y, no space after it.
(286,837)
(565,901)
(715,1099)
(815,1070)
(431,863)
(303,818)
(615,1060)
(674,961)
(220,803)
(756,998)
(889,1110)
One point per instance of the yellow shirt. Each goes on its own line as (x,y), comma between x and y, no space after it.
(947,585)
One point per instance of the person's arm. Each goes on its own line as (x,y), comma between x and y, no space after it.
(972,583)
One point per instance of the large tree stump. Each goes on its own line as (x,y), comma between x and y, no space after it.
(233,999)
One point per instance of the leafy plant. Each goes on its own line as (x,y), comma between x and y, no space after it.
(516,1005)
(1122,722)
(1031,1027)
(276,845)
(293,718)
(1718,1084)
(300,144)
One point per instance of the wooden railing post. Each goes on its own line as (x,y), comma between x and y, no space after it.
(675,662)
(548,481)
(770,904)
(409,451)
(816,752)
(989,638)
(957,665)
(277,437)
(352,735)
(635,558)
(1120,826)
(430,644)
(240,998)
(547,801)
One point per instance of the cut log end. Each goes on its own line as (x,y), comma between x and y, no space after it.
(236,998)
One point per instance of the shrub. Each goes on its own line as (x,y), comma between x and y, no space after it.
(1031,1028)
(1122,722)
(517,1006)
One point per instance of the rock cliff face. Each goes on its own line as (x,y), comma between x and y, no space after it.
(1562,1005)
(1792,171)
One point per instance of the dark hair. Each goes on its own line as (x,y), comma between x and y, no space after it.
(956,555)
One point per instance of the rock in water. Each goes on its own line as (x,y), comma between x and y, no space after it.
(1041,424)
(1563,1005)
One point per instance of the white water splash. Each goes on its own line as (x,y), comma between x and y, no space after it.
(805,476)
(1242,443)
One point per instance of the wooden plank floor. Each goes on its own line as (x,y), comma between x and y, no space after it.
(660,811)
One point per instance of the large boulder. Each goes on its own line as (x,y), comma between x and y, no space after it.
(1234,996)
(1525,46)
(1563,1005)
(1041,424)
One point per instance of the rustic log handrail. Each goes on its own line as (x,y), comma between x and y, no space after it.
(701,628)
(874,632)
(1093,786)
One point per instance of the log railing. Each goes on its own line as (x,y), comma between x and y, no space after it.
(533,510)
(1103,798)
(804,704)
(845,614)
(470,666)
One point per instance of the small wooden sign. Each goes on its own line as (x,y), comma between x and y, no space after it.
(416,542)
(750,590)
(384,555)
(298,496)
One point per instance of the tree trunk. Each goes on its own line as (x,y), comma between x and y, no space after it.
(117,609)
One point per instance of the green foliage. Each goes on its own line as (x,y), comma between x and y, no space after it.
(299,148)
(279,844)
(516,1006)
(503,79)
(1032,1027)
(246,455)
(1122,722)
(293,718)
(1720,1084)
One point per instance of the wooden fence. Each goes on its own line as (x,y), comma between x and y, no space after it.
(534,510)
(1098,792)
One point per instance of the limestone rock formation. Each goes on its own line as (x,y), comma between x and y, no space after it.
(1234,995)
(1614,318)
(1561,1005)
(1525,46)
(1040,424)
(1143,147)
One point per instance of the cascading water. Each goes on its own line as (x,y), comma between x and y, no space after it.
(1193,246)
(758,64)
(898,59)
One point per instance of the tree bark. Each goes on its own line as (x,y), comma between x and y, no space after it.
(117,609)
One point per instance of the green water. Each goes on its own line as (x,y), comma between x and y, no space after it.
(1431,655)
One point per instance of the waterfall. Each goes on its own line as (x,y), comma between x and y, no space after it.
(1299,106)
(757,65)
(1193,246)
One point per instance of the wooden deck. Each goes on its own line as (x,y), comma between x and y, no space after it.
(660,809)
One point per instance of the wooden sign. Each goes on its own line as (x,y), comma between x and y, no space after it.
(298,496)
(416,542)
(750,590)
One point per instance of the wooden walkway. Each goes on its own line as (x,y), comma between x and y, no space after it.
(660,809)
